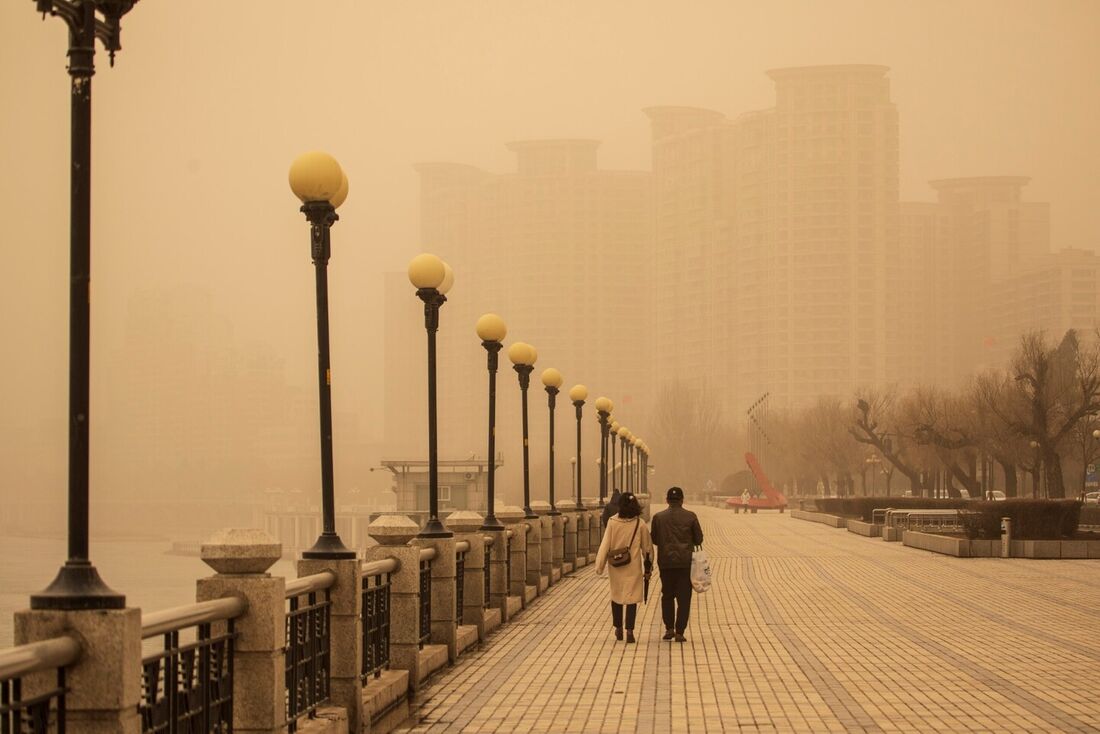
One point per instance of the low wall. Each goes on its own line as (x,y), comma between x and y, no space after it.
(964,548)
(832,521)
(866,529)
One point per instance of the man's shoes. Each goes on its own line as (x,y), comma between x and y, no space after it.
(618,633)
(668,635)
(629,636)
(680,638)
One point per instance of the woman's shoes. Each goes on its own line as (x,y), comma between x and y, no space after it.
(629,636)
(618,633)
(669,634)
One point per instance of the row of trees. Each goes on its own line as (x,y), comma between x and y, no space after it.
(1026,419)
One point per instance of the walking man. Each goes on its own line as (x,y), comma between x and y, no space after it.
(676,533)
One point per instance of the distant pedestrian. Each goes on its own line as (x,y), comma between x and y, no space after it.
(611,508)
(625,554)
(676,533)
(745,497)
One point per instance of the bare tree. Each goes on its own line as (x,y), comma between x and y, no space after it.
(695,441)
(875,424)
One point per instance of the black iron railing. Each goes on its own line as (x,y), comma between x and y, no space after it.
(376,616)
(460,583)
(39,710)
(307,645)
(508,563)
(187,686)
(426,595)
(488,567)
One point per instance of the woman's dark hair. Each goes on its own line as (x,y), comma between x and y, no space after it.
(628,506)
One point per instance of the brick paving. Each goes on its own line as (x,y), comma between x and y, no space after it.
(807,628)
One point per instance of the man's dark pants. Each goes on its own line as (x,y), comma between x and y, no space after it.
(676,598)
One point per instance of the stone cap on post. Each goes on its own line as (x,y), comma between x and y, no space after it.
(591,503)
(510,514)
(567,504)
(541,508)
(464,521)
(241,551)
(393,530)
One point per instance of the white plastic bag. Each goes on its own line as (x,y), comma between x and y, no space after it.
(700,571)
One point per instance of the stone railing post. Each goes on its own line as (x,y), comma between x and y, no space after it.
(444,618)
(393,533)
(345,633)
(546,549)
(643,500)
(104,684)
(512,518)
(466,525)
(497,564)
(595,532)
(569,533)
(534,553)
(581,518)
(557,540)
(241,558)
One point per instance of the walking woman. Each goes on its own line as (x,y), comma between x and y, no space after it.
(625,554)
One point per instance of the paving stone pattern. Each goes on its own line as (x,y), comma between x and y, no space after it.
(807,628)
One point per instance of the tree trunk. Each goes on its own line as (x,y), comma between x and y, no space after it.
(1011,489)
(1052,467)
(967,481)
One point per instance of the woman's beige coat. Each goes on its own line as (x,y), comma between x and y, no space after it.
(626,581)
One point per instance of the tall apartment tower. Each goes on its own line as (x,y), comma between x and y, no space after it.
(560,249)
(778,231)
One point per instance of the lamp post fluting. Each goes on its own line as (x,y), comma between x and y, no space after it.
(78,584)
(577,394)
(603,411)
(492,330)
(523,358)
(636,451)
(614,436)
(623,433)
(552,380)
(432,278)
(317,179)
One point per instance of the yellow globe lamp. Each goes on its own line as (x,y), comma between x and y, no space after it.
(315,176)
(551,377)
(491,328)
(578,393)
(341,194)
(604,404)
(427,271)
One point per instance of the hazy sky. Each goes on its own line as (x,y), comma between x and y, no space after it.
(209,102)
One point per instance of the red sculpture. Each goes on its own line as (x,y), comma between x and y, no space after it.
(773,499)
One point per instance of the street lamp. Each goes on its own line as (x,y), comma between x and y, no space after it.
(573,472)
(577,394)
(432,278)
(552,379)
(77,584)
(637,451)
(523,358)
(317,179)
(614,431)
(624,437)
(603,410)
(492,330)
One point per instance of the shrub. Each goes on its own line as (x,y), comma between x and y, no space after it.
(864,507)
(1031,519)
(1090,515)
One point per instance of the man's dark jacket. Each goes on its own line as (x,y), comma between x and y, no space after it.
(676,532)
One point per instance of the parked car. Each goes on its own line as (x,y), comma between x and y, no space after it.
(1092,498)
(998,495)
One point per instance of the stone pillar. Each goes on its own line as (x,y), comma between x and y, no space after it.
(643,500)
(512,517)
(345,634)
(534,552)
(498,572)
(558,541)
(443,593)
(466,525)
(104,684)
(393,533)
(569,532)
(581,518)
(240,559)
(595,531)
(546,549)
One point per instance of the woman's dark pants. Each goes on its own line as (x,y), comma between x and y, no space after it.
(617,615)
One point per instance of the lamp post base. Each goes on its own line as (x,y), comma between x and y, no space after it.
(435,529)
(529,514)
(491,523)
(78,586)
(328,547)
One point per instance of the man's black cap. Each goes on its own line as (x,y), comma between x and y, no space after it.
(675,494)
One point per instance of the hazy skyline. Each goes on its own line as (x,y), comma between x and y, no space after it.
(208,103)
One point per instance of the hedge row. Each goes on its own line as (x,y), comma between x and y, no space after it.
(1090,515)
(1031,519)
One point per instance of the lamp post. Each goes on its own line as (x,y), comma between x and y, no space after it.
(636,452)
(624,435)
(613,430)
(603,410)
(317,179)
(523,358)
(432,278)
(573,472)
(577,394)
(492,330)
(552,380)
(78,584)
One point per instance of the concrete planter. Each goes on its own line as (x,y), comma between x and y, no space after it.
(832,521)
(964,548)
(866,529)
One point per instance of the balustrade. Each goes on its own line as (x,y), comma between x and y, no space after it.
(41,709)
(308,653)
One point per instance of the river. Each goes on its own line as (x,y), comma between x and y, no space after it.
(141,569)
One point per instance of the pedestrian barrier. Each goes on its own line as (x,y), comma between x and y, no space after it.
(41,709)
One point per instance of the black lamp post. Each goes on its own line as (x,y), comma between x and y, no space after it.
(492,330)
(317,179)
(603,411)
(523,357)
(577,394)
(612,439)
(432,278)
(623,433)
(77,584)
(552,379)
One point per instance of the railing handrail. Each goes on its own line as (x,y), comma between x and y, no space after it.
(527,527)
(22,660)
(427,554)
(189,615)
(462,546)
(309,584)
(383,565)
(509,533)
(487,539)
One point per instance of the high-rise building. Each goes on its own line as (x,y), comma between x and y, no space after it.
(777,239)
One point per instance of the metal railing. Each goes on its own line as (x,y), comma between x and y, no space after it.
(376,616)
(488,540)
(43,711)
(462,547)
(508,562)
(307,645)
(187,686)
(426,557)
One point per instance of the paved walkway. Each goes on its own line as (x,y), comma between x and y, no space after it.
(807,628)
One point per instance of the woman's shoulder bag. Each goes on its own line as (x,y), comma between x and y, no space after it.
(621,556)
